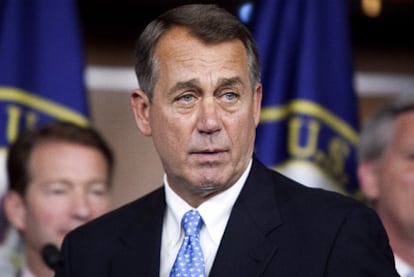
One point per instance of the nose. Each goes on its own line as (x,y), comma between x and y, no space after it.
(209,117)
(81,207)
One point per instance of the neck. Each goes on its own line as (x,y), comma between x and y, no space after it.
(403,246)
(36,265)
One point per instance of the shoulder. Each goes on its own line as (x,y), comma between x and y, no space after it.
(122,218)
(348,233)
(305,203)
(90,249)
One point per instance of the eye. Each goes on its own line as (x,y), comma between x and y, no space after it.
(99,192)
(230,97)
(410,156)
(99,189)
(187,99)
(56,189)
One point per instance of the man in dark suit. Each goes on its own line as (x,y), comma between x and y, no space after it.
(199,98)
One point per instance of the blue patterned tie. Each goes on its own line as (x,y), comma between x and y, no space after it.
(190,259)
(411,274)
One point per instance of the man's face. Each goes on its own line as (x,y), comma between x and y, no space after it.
(394,178)
(203,114)
(68,187)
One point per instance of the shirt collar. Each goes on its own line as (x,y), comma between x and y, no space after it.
(26,272)
(214,211)
(402,267)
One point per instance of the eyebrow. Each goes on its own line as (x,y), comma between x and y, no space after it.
(67,182)
(192,83)
(230,81)
(195,84)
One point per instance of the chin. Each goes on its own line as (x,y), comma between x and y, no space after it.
(210,187)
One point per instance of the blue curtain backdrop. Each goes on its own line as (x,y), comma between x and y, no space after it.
(308,126)
(41,72)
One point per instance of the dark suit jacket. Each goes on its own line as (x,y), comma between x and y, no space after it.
(276,228)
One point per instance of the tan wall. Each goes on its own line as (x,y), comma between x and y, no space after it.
(138,169)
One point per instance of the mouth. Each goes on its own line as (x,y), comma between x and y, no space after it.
(208,151)
(209,155)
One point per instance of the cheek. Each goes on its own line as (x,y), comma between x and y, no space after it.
(100,206)
(170,146)
(404,184)
(241,130)
(397,183)
(170,132)
(44,215)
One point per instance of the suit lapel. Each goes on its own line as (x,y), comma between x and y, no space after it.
(140,242)
(250,241)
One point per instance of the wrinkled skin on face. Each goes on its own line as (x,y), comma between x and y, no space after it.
(203,114)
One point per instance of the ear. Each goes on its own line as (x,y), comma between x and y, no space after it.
(15,210)
(368,181)
(141,107)
(257,102)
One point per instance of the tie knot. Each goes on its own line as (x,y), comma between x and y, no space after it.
(192,223)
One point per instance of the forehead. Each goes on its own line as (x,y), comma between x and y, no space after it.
(65,162)
(179,42)
(404,123)
(52,145)
(60,153)
(405,116)
(181,56)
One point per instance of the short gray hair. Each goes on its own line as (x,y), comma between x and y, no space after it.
(209,23)
(379,128)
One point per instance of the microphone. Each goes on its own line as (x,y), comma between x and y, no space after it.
(53,259)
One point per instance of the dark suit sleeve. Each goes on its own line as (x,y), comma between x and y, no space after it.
(361,247)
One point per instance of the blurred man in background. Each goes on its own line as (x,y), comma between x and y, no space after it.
(386,174)
(59,178)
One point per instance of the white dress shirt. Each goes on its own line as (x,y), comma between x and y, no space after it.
(215,213)
(26,272)
(402,267)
